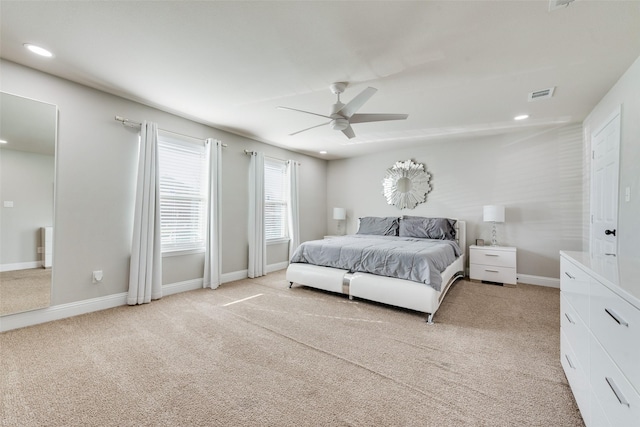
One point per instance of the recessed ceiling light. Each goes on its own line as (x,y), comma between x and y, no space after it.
(38,50)
(521,117)
(323,152)
(2,141)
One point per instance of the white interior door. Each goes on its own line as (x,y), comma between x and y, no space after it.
(605,149)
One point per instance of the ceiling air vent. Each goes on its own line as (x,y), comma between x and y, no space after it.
(541,94)
(557,4)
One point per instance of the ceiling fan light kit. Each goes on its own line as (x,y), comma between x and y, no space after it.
(343,115)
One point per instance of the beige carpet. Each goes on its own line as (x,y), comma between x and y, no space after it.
(293,357)
(23,290)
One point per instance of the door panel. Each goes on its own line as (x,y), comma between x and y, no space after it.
(605,146)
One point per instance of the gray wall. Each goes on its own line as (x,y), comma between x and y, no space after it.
(537,175)
(26,179)
(625,93)
(97,161)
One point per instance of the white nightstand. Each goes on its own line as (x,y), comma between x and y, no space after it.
(493,264)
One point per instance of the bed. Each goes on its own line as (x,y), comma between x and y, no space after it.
(320,264)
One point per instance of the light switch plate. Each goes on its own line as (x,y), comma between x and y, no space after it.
(8,204)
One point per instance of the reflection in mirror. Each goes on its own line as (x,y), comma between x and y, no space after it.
(403,185)
(27,171)
(406,184)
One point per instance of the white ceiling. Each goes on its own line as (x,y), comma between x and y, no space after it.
(457,68)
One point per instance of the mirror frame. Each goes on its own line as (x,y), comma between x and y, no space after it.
(54,201)
(418,189)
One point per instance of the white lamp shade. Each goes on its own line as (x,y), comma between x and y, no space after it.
(339,213)
(493,213)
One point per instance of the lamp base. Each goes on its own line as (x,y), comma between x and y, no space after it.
(494,241)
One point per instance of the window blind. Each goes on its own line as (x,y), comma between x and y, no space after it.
(183,171)
(275,199)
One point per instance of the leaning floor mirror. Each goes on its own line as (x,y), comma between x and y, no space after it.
(28,131)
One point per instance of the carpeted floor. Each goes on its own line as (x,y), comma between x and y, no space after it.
(23,290)
(293,357)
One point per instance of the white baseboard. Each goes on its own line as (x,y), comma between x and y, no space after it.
(277,267)
(62,311)
(244,274)
(539,280)
(176,288)
(20,266)
(233,276)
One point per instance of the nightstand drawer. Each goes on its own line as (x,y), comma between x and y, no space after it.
(495,257)
(493,274)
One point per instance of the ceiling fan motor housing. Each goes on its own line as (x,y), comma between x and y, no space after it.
(339,124)
(338,87)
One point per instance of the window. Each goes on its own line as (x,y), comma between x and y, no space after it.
(183,170)
(275,200)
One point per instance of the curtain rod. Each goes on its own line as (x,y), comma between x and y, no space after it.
(252,153)
(132,124)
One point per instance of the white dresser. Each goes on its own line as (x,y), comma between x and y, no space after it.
(600,337)
(493,264)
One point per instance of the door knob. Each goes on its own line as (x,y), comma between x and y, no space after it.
(608,232)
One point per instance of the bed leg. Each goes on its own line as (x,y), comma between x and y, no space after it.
(430,319)
(290,285)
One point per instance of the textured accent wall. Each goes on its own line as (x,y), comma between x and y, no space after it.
(537,175)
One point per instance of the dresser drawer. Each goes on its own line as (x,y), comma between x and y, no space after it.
(577,377)
(494,257)
(574,284)
(493,274)
(616,325)
(576,332)
(617,397)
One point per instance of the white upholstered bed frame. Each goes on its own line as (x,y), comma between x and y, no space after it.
(387,290)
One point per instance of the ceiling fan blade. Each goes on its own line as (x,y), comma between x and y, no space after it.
(303,130)
(354,105)
(363,118)
(302,111)
(349,132)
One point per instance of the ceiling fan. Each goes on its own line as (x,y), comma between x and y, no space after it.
(344,115)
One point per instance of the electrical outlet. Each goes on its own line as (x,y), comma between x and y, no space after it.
(97,276)
(40,249)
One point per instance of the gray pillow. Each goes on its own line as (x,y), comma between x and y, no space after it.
(428,228)
(379,226)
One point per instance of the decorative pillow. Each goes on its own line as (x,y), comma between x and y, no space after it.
(428,228)
(379,226)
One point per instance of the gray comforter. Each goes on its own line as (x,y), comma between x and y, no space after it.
(418,260)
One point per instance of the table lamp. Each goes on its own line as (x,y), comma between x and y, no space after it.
(339,214)
(494,214)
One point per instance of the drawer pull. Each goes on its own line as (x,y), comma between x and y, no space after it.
(492,271)
(617,392)
(571,365)
(569,275)
(569,318)
(616,317)
(491,255)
